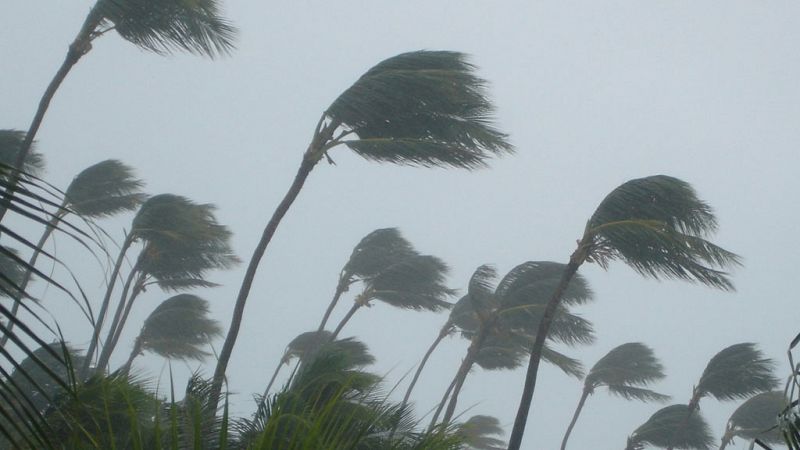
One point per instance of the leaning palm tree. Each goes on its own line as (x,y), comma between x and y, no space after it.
(101,190)
(178,328)
(669,427)
(756,418)
(478,433)
(374,253)
(658,226)
(423,108)
(624,371)
(161,27)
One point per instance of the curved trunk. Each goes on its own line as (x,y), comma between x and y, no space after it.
(575,261)
(119,316)
(463,371)
(79,47)
(137,349)
(582,401)
(442,403)
(274,376)
(442,334)
(104,306)
(346,319)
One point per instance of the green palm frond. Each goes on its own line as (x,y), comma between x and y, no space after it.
(423,108)
(673,427)
(163,26)
(416,282)
(506,352)
(354,352)
(376,251)
(179,328)
(480,290)
(568,365)
(757,418)
(10,144)
(536,281)
(105,189)
(737,372)
(625,370)
(657,225)
(479,433)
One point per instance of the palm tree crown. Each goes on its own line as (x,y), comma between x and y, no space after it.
(10,145)
(478,433)
(104,189)
(757,418)
(672,427)
(624,370)
(736,372)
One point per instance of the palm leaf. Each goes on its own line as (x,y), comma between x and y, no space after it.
(478,432)
(416,282)
(757,418)
(423,108)
(537,280)
(672,427)
(625,370)
(10,144)
(104,189)
(737,372)
(163,26)
(306,344)
(179,328)
(376,251)
(568,365)
(657,226)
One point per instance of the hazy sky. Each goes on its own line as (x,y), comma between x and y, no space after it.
(592,93)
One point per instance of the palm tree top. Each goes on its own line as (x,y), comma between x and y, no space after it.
(105,189)
(355,352)
(535,281)
(421,108)
(658,225)
(737,372)
(10,144)
(479,433)
(757,417)
(376,251)
(415,282)
(673,427)
(178,328)
(625,370)
(164,26)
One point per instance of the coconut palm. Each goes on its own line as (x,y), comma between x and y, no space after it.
(376,251)
(162,27)
(756,418)
(669,427)
(624,371)
(101,190)
(423,108)
(178,328)
(478,432)
(657,225)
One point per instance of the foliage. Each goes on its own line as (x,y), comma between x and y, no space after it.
(104,189)
(737,372)
(625,370)
(10,144)
(477,433)
(756,418)
(672,427)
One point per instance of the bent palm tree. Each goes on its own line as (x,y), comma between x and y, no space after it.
(657,225)
(478,432)
(757,418)
(161,27)
(424,108)
(669,427)
(625,370)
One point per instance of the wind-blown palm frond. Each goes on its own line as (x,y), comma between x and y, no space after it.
(672,427)
(12,272)
(478,433)
(757,418)
(657,225)
(166,25)
(568,365)
(423,108)
(355,352)
(104,189)
(625,369)
(737,372)
(416,282)
(538,280)
(376,251)
(40,385)
(10,145)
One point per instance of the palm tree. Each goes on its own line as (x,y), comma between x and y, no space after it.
(625,370)
(374,253)
(478,432)
(756,418)
(178,328)
(101,190)
(10,146)
(657,225)
(669,427)
(423,108)
(161,27)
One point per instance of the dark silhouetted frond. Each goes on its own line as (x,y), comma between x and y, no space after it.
(10,142)
(376,251)
(416,282)
(479,433)
(423,108)
(657,225)
(12,272)
(163,26)
(569,366)
(673,427)
(737,372)
(625,370)
(535,281)
(757,418)
(105,189)
(179,328)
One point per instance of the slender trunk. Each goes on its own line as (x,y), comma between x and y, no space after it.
(274,376)
(310,159)
(104,306)
(582,401)
(443,402)
(137,289)
(466,365)
(442,334)
(575,261)
(341,288)
(108,344)
(346,319)
(137,350)
(80,46)
(26,278)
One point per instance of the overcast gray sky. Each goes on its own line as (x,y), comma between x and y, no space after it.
(592,93)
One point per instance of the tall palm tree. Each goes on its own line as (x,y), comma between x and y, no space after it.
(178,328)
(657,225)
(101,190)
(669,427)
(423,108)
(161,27)
(625,371)
(415,282)
(756,418)
(374,253)
(478,432)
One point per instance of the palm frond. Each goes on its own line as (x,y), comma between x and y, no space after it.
(104,189)
(178,328)
(353,353)
(164,26)
(568,365)
(636,393)
(376,251)
(737,372)
(535,281)
(631,365)
(416,282)
(12,273)
(478,433)
(657,225)
(480,290)
(673,427)
(423,108)
(757,418)
(10,144)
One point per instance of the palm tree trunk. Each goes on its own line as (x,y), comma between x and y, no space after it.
(582,401)
(345,319)
(466,365)
(575,261)
(26,278)
(442,403)
(116,323)
(137,348)
(80,46)
(340,289)
(104,306)
(274,376)
(442,334)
